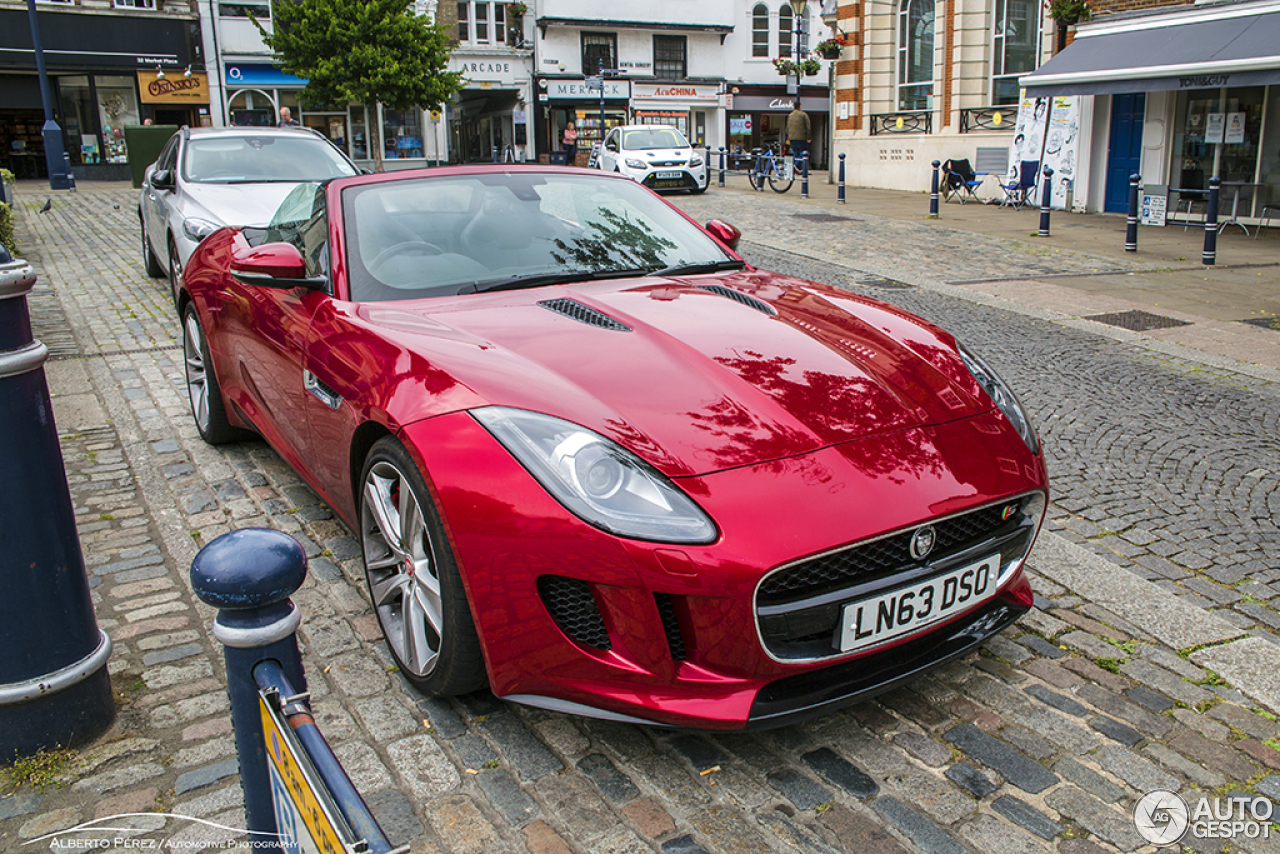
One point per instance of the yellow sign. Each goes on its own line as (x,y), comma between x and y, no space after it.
(296,801)
(996,118)
(175,88)
(900,123)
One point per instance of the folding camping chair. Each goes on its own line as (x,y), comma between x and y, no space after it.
(1016,191)
(960,181)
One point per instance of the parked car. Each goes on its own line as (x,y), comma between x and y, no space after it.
(206,178)
(600,464)
(657,156)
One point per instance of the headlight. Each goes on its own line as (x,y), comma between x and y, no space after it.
(695,162)
(632,163)
(1003,397)
(198,229)
(597,480)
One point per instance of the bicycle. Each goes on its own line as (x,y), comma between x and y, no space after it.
(771,166)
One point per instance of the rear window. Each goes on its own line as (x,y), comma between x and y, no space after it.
(241,159)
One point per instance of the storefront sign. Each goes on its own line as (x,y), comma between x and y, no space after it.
(95,39)
(685,94)
(504,71)
(739,125)
(576,90)
(778,103)
(173,89)
(260,75)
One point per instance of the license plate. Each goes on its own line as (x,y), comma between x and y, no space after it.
(908,609)
(666,176)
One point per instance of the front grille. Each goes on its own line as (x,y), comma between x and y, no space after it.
(670,625)
(840,569)
(584,314)
(665,164)
(574,608)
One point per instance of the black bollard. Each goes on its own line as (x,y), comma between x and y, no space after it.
(248,575)
(1210,255)
(1044,201)
(840,182)
(721,182)
(804,175)
(933,192)
(1131,232)
(54,687)
(757,170)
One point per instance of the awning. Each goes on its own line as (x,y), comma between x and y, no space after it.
(1199,49)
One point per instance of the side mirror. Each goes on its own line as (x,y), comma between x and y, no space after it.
(162,179)
(612,146)
(724,232)
(274,265)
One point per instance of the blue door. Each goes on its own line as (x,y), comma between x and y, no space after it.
(1124,155)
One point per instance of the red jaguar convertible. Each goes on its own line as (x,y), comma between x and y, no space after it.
(601,465)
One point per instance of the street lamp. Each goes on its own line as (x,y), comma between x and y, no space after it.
(798,7)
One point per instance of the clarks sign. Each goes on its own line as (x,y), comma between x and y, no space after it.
(174,88)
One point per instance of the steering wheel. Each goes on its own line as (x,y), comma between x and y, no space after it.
(419,246)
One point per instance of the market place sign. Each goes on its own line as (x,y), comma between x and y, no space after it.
(173,89)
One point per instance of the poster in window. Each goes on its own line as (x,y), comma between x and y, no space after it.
(1235,128)
(1214,127)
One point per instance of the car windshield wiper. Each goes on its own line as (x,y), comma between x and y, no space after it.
(537,280)
(691,268)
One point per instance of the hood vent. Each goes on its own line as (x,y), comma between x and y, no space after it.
(584,314)
(737,296)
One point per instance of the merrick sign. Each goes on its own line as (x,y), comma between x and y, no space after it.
(175,88)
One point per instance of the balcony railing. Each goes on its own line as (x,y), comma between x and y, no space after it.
(989,118)
(907,121)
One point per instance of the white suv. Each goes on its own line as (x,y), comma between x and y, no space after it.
(657,156)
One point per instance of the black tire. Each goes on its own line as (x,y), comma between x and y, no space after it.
(175,270)
(407,554)
(781,178)
(698,191)
(207,408)
(149,259)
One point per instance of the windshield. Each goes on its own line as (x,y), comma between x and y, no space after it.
(656,137)
(241,159)
(442,236)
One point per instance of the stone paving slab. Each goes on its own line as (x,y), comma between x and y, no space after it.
(1042,742)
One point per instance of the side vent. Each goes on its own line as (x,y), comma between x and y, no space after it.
(670,625)
(738,296)
(583,314)
(571,605)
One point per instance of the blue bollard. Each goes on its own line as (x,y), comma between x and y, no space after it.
(1044,201)
(757,170)
(1210,255)
(804,175)
(840,182)
(1131,232)
(721,182)
(933,192)
(54,687)
(248,575)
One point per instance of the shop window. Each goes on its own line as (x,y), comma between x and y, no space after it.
(669,57)
(786,23)
(359,133)
(760,30)
(243,8)
(599,50)
(915,55)
(117,107)
(482,22)
(1015,40)
(1207,124)
(401,134)
(135,4)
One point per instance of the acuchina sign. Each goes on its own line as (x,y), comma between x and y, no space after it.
(685,93)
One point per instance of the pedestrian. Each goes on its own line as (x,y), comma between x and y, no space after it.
(570,142)
(798,132)
(146,122)
(286,118)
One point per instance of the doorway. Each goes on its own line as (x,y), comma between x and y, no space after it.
(1124,152)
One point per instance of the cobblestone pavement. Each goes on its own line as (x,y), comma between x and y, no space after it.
(1149,663)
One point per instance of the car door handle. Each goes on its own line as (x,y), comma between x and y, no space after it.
(316,386)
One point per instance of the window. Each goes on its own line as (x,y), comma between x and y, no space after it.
(1015,37)
(242,8)
(786,23)
(669,58)
(135,4)
(760,30)
(464,22)
(482,22)
(599,50)
(915,55)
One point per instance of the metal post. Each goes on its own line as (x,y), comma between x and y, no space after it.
(840,183)
(54,144)
(933,191)
(804,175)
(757,170)
(1131,233)
(248,575)
(721,181)
(54,686)
(1044,201)
(1210,256)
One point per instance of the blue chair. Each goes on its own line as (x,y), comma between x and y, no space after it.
(960,181)
(1017,191)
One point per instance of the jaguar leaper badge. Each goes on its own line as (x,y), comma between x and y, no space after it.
(922,541)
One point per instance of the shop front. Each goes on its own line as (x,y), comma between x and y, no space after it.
(757,118)
(97,91)
(565,100)
(489,118)
(692,108)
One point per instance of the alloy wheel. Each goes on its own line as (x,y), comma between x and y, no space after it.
(197,371)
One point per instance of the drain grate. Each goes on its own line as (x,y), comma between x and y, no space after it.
(58,357)
(1272,323)
(882,282)
(821,217)
(1137,321)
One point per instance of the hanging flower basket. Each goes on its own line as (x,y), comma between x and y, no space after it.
(786,66)
(829,49)
(1069,11)
(516,9)
(810,67)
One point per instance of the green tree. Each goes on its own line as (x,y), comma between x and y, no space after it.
(365,52)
